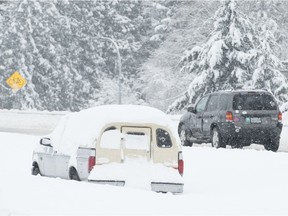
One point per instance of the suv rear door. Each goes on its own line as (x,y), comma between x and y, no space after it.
(255,108)
(210,115)
(200,108)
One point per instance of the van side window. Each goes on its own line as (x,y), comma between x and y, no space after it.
(111,139)
(110,128)
(163,138)
(137,140)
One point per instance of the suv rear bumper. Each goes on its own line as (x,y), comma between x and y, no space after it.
(250,134)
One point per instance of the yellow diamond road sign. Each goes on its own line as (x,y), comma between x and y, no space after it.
(16,81)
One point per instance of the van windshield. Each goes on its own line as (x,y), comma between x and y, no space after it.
(254,101)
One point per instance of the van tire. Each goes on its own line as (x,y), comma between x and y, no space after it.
(35,169)
(73,174)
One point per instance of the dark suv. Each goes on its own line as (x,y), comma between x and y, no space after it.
(235,118)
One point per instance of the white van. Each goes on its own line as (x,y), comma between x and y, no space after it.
(126,144)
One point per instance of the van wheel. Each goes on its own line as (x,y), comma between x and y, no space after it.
(272,145)
(73,175)
(216,139)
(35,169)
(184,136)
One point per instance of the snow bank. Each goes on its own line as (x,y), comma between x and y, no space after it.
(217,182)
(137,173)
(30,121)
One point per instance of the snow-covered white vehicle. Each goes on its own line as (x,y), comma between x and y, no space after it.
(126,145)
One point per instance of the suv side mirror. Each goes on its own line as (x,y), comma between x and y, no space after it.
(191,109)
(46,141)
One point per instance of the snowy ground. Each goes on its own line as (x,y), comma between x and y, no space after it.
(217,182)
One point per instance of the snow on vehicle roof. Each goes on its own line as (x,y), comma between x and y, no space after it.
(82,128)
(127,113)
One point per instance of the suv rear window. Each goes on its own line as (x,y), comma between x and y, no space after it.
(254,101)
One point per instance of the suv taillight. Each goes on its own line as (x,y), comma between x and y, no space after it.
(280,116)
(91,163)
(229,116)
(180,163)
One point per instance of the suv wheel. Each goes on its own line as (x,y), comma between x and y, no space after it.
(272,145)
(184,136)
(216,139)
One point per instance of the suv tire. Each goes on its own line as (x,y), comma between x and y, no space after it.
(216,139)
(272,145)
(184,136)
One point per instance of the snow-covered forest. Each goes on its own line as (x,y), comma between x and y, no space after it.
(59,47)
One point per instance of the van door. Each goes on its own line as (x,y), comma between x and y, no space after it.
(62,163)
(165,150)
(137,142)
(47,162)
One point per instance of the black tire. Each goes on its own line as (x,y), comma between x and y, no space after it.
(234,143)
(217,139)
(184,136)
(73,174)
(272,145)
(36,170)
(238,143)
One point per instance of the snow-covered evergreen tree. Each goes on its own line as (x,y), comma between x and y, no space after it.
(275,10)
(267,74)
(225,61)
(57,47)
(189,25)
(18,53)
(122,21)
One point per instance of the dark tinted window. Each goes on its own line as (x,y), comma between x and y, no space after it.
(163,138)
(212,103)
(200,107)
(254,101)
(223,102)
(110,128)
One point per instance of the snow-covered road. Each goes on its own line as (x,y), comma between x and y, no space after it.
(217,181)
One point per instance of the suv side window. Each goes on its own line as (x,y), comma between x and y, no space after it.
(212,103)
(201,105)
(224,99)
